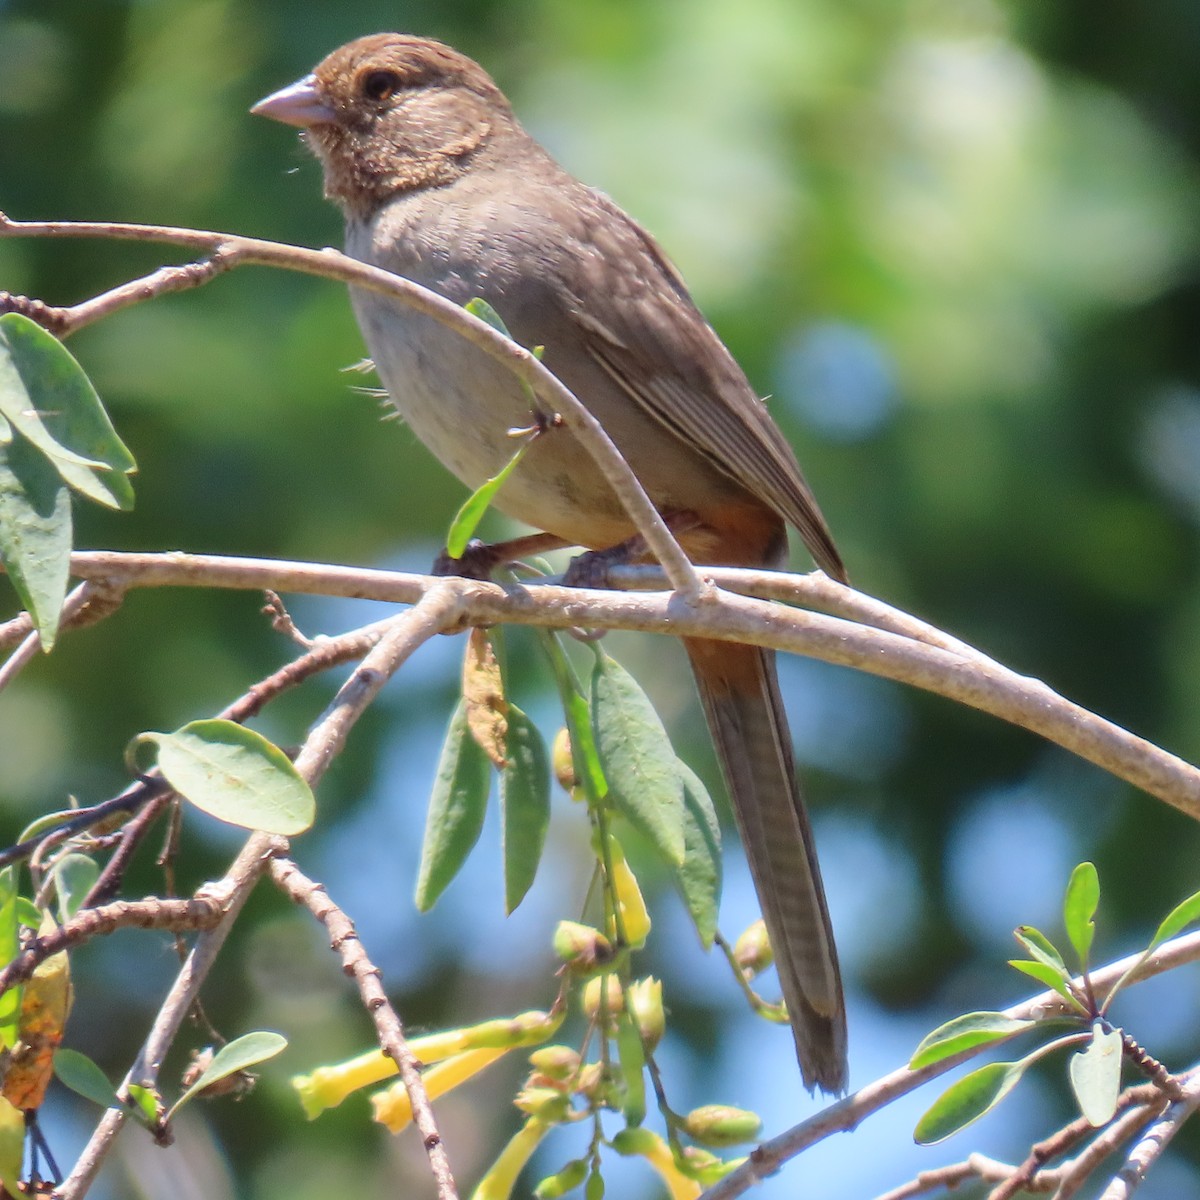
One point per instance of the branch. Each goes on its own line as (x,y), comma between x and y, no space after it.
(343,938)
(438,610)
(919,656)
(176,916)
(225,251)
(1153,1142)
(847,1114)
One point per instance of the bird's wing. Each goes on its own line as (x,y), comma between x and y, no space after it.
(704,398)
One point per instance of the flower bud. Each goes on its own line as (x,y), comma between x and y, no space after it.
(720,1125)
(563,761)
(562,1182)
(555,1062)
(752,951)
(643,999)
(548,1105)
(610,987)
(581,947)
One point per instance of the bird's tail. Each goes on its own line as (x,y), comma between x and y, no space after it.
(740,693)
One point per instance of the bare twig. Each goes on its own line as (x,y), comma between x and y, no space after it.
(343,939)
(175,916)
(223,251)
(438,610)
(229,894)
(1072,1175)
(1153,1142)
(73,605)
(1137,1106)
(969,678)
(846,1114)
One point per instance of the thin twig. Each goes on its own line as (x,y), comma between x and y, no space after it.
(970,679)
(1150,1146)
(848,1113)
(175,916)
(438,610)
(26,652)
(1141,1101)
(344,940)
(230,894)
(224,251)
(1074,1174)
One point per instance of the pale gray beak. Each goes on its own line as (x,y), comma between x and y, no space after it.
(297,104)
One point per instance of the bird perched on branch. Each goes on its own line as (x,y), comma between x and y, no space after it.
(440,183)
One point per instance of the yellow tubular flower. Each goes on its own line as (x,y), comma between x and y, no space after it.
(499,1182)
(327,1087)
(393,1107)
(635,919)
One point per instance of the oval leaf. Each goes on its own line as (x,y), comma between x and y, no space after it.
(83,1077)
(699,875)
(235,775)
(1096,1075)
(74,877)
(967,1100)
(456,810)
(35,533)
(1079,907)
(964,1033)
(239,1055)
(1178,919)
(47,398)
(524,805)
(1041,948)
(639,763)
(1052,977)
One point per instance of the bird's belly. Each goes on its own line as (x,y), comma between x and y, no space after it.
(462,404)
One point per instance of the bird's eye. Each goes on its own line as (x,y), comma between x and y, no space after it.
(380,85)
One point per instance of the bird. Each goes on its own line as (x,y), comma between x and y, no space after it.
(440,183)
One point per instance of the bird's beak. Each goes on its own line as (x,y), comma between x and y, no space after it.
(299,104)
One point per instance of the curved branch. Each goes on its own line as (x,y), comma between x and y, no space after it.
(846,1114)
(226,251)
(918,657)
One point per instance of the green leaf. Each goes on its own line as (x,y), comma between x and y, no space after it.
(235,775)
(1041,948)
(967,1100)
(10,945)
(480,308)
(467,519)
(456,810)
(145,1104)
(1096,1075)
(524,805)
(577,715)
(28,913)
(1179,918)
(639,763)
(1052,977)
(239,1055)
(48,400)
(35,533)
(83,1077)
(699,875)
(74,877)
(1079,907)
(964,1033)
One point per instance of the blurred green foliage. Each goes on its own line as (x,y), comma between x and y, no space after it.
(955,241)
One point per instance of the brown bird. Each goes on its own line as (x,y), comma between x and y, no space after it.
(439,183)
